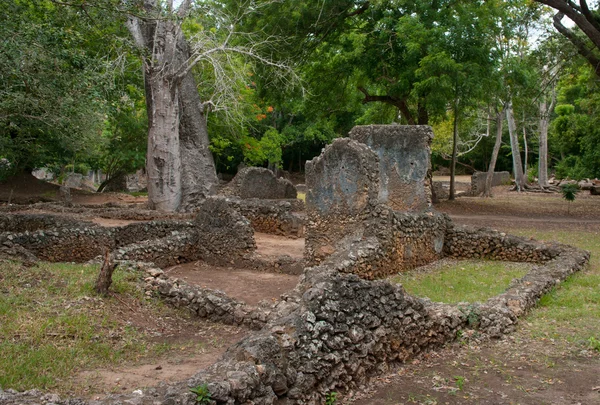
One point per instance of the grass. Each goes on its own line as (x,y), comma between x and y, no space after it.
(571,312)
(52,325)
(301,196)
(138,193)
(463,281)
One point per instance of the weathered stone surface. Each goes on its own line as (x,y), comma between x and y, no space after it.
(343,184)
(73,180)
(258,182)
(404,163)
(275,217)
(478,181)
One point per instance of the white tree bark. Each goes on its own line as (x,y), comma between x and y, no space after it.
(514,145)
(492,167)
(545,111)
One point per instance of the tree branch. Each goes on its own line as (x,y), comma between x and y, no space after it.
(581,46)
(395,101)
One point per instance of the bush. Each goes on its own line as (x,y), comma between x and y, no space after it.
(571,167)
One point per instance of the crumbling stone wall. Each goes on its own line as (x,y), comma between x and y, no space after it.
(344,213)
(258,182)
(336,330)
(342,192)
(478,181)
(404,153)
(275,217)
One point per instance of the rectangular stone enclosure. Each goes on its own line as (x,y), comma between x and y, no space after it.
(404,153)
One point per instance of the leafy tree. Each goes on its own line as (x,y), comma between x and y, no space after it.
(51,109)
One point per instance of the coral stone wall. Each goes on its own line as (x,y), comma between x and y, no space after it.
(343,214)
(258,182)
(404,153)
(275,217)
(478,181)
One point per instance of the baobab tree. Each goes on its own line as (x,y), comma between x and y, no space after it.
(179,163)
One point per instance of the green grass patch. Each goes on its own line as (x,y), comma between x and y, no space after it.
(53,325)
(462,281)
(301,196)
(570,312)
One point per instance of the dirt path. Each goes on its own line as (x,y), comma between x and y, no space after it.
(248,286)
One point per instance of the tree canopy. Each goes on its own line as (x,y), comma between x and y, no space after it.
(81,83)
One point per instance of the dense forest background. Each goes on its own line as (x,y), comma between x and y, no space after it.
(278,80)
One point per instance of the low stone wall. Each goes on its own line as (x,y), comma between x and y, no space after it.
(336,331)
(471,243)
(275,217)
(137,232)
(33,222)
(62,244)
(478,181)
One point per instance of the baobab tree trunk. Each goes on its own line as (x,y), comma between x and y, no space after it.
(514,145)
(163,161)
(179,164)
(198,174)
(487,192)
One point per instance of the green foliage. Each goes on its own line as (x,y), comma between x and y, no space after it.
(51,109)
(460,382)
(594,343)
(202,393)
(331,398)
(569,191)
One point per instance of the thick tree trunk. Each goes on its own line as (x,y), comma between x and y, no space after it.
(179,164)
(163,163)
(487,192)
(198,175)
(514,145)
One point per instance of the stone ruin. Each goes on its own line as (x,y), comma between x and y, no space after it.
(337,328)
(258,182)
(478,181)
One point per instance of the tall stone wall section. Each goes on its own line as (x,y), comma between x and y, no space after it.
(344,213)
(478,181)
(404,153)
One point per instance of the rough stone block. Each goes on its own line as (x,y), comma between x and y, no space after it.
(478,181)
(258,182)
(404,163)
(343,179)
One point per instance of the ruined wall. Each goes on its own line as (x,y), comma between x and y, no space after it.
(336,331)
(258,182)
(342,191)
(404,153)
(275,217)
(478,181)
(469,243)
(344,213)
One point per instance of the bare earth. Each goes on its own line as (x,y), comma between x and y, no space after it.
(248,286)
